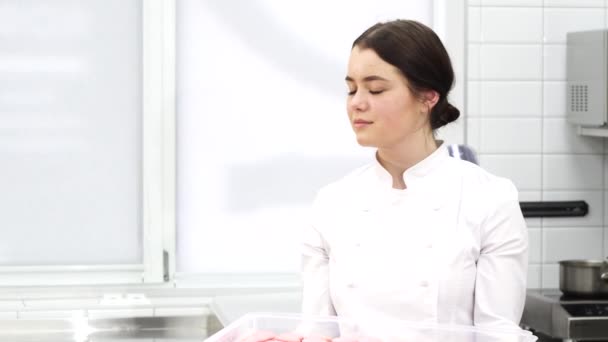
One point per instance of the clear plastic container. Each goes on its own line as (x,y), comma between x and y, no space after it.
(385,331)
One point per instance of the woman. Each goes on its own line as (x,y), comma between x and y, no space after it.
(416,234)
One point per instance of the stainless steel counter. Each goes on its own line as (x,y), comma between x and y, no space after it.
(188,314)
(184,329)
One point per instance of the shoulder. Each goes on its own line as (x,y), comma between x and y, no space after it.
(476,175)
(493,203)
(482,186)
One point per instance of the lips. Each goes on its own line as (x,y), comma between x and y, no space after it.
(358,123)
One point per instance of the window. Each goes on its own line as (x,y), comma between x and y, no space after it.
(86,138)
(87,115)
(262,124)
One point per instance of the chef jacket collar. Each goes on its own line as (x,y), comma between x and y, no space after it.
(431,191)
(416,173)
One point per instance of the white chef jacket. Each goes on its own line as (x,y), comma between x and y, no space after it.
(450,248)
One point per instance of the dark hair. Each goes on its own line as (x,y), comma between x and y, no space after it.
(417,51)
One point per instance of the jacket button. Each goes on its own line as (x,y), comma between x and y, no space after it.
(424,283)
(351,285)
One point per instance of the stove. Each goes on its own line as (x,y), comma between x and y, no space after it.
(560,317)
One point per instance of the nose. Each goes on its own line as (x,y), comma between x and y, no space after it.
(358,102)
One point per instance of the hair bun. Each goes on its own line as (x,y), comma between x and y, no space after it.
(451,114)
(443,113)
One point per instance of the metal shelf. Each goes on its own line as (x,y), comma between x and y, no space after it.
(593,131)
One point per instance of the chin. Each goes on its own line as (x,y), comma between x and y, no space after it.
(365,142)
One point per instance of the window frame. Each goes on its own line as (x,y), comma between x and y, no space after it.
(158,159)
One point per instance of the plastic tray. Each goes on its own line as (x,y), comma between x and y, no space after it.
(384,331)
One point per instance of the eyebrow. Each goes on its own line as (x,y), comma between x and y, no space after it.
(367,78)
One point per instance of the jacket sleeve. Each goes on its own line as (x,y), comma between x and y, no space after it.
(500,288)
(316,298)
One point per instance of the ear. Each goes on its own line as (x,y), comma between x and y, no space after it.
(430,98)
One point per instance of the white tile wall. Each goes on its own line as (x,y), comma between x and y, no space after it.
(550,276)
(523,170)
(473,65)
(554,99)
(554,62)
(534,274)
(574,3)
(511,2)
(558,244)
(605,241)
(529,26)
(534,235)
(573,171)
(517,121)
(474,29)
(474,133)
(507,98)
(506,135)
(561,137)
(473,99)
(558,21)
(511,62)
(606,176)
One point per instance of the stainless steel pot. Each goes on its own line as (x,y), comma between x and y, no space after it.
(583,278)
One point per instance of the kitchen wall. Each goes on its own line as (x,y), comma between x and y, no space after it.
(516,121)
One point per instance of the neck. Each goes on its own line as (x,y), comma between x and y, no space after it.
(397,159)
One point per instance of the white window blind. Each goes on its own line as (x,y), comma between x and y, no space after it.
(262,123)
(70,132)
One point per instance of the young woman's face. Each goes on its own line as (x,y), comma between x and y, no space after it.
(381,108)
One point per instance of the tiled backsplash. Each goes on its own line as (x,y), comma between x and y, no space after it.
(516,121)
